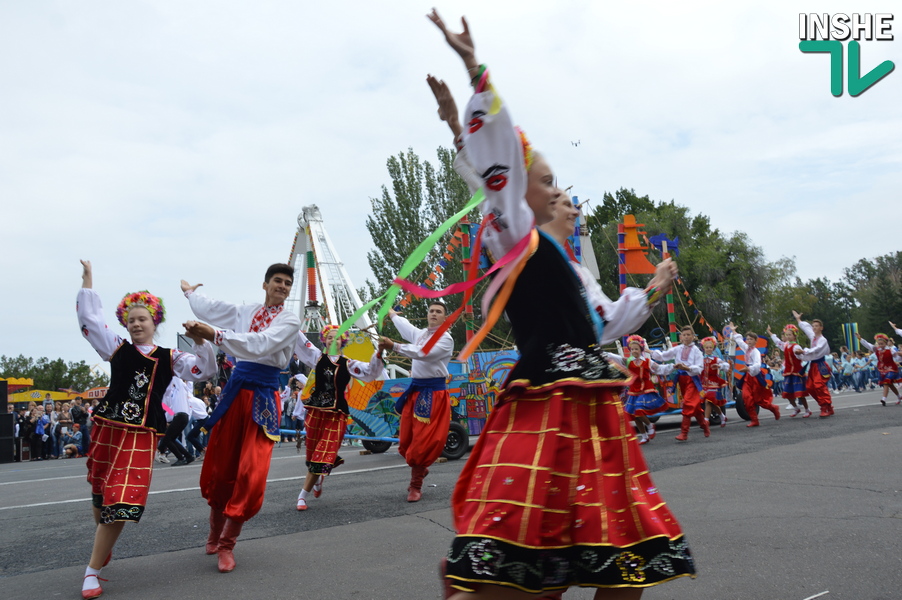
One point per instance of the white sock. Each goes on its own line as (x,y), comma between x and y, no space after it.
(319,483)
(303,495)
(91,580)
(884,398)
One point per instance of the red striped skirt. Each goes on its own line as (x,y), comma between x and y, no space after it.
(557,493)
(325,431)
(120,466)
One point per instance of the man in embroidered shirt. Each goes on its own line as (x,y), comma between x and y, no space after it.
(425,407)
(818,371)
(245,424)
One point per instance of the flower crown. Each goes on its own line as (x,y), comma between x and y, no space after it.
(636,338)
(342,341)
(145,299)
(792,329)
(881,336)
(528,152)
(709,339)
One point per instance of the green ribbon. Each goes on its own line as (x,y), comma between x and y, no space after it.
(412,262)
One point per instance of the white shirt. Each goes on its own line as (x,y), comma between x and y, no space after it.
(271,347)
(694,359)
(752,355)
(197,407)
(176,397)
(192,367)
(428,366)
(819,347)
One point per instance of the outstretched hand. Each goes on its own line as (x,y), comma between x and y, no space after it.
(665,273)
(186,287)
(797,315)
(87,274)
(462,42)
(769,332)
(858,335)
(385,344)
(447,108)
(893,325)
(198,332)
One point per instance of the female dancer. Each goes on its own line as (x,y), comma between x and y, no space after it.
(713,385)
(533,510)
(793,371)
(642,397)
(886,364)
(130,417)
(327,406)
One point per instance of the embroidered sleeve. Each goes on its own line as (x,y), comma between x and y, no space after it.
(93,327)
(780,343)
(199,366)
(495,153)
(216,312)
(370,371)
(306,351)
(281,333)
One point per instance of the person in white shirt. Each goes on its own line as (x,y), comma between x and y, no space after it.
(245,424)
(818,370)
(689,366)
(755,392)
(425,407)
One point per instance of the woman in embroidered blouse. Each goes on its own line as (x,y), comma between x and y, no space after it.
(130,417)
(534,512)
(327,405)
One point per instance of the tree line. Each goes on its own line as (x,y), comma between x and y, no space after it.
(54,374)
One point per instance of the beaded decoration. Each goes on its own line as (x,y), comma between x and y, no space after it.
(145,299)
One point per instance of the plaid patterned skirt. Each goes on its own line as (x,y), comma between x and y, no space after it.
(557,493)
(120,466)
(325,431)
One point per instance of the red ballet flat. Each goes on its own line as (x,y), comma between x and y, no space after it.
(93,592)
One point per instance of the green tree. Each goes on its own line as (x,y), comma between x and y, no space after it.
(54,374)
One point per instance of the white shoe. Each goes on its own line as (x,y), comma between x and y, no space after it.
(643,439)
(162,459)
(795,412)
(723,420)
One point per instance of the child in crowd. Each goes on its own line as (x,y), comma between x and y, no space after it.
(642,397)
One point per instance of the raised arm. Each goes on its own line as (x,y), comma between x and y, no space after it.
(89,310)
(404,327)
(866,344)
(216,312)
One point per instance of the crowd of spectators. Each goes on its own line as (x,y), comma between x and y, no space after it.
(53,430)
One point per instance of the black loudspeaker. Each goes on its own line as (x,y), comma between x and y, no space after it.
(7,441)
(7,425)
(4,395)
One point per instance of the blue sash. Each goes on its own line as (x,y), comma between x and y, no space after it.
(263,380)
(821,366)
(423,407)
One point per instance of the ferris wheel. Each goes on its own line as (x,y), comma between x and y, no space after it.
(326,294)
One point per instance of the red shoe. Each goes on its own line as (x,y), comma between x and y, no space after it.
(302,504)
(227,541)
(723,420)
(414,495)
(652,433)
(93,592)
(795,412)
(824,414)
(318,487)
(807,414)
(706,427)
(753,424)
(777,413)
(682,437)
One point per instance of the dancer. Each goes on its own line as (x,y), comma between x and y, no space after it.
(818,370)
(688,367)
(130,417)
(175,402)
(713,385)
(425,407)
(327,405)
(886,363)
(244,426)
(642,397)
(793,370)
(754,387)
(535,504)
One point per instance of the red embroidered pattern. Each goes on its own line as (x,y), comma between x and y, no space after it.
(264,317)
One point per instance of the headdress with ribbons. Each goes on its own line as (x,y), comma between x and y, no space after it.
(144,299)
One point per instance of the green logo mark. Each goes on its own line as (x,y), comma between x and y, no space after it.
(857,84)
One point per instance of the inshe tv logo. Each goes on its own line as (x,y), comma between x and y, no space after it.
(826,33)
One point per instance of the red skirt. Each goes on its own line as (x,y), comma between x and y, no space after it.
(325,431)
(557,493)
(120,466)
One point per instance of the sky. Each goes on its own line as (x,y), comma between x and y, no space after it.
(180,140)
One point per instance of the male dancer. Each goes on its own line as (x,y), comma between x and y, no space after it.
(818,371)
(261,338)
(754,386)
(425,407)
(689,365)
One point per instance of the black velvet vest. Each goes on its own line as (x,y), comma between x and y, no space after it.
(135,397)
(331,381)
(552,325)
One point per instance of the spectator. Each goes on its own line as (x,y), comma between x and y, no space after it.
(39,424)
(65,425)
(199,414)
(72,442)
(80,416)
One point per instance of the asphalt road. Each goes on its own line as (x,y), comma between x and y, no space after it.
(787,510)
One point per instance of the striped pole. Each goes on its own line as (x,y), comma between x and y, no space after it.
(311,276)
(621,254)
(466,258)
(671,317)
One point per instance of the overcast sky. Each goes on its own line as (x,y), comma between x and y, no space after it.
(180,139)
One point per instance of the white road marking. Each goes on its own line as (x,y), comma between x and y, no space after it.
(816,596)
(189,489)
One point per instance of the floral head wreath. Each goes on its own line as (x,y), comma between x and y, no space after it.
(792,329)
(528,152)
(342,341)
(636,338)
(145,299)
(710,339)
(881,336)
